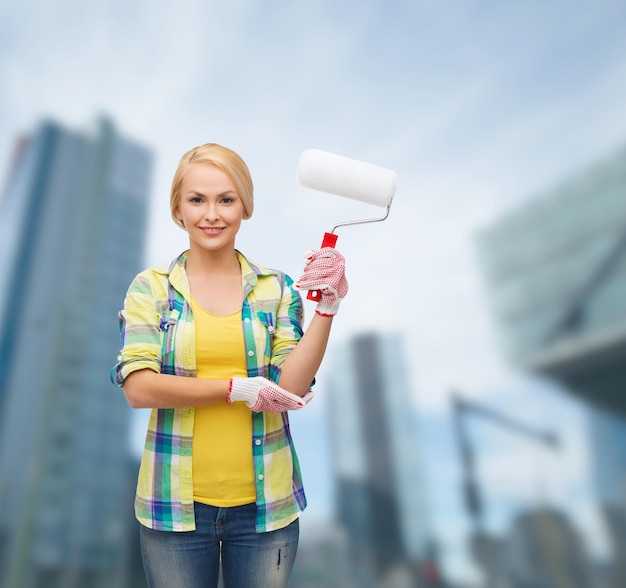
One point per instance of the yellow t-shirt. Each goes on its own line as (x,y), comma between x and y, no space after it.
(223,472)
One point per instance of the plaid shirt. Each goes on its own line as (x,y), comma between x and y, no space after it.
(158,333)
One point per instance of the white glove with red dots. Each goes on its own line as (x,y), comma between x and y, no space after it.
(325,271)
(263,395)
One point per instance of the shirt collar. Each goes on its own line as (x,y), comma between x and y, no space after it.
(250,272)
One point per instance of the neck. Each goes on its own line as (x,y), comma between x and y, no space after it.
(202,261)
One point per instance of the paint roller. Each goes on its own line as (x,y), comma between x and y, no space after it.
(358,180)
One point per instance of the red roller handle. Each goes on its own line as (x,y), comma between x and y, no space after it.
(330,239)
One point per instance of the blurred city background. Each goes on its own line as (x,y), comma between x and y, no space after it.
(469,425)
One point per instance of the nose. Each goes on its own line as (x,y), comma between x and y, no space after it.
(211,214)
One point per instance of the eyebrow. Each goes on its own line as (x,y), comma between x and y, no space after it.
(196,193)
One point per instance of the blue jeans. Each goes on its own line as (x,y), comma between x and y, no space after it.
(192,559)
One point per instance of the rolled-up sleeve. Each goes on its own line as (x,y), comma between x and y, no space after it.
(140,332)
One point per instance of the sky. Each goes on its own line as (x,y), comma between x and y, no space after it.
(478,106)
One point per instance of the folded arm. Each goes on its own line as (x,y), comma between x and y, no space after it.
(146,388)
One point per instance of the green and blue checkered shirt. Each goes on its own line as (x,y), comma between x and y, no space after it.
(158,333)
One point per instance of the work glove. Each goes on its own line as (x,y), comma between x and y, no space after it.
(263,395)
(325,271)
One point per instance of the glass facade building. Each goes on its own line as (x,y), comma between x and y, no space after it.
(556,276)
(72,222)
(379,491)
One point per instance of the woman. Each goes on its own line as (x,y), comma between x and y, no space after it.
(214,344)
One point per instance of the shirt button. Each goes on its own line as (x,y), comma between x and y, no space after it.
(257,442)
(246,320)
(251,353)
(260,476)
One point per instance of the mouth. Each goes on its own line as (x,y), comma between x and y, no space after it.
(211,230)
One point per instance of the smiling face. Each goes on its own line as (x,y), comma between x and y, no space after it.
(210,209)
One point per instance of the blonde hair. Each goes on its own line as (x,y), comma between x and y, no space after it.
(223,158)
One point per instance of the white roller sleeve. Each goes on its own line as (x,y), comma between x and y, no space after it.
(346,177)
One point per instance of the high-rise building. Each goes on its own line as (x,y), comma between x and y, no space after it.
(72,224)
(379,493)
(544,549)
(556,275)
(608,447)
(608,451)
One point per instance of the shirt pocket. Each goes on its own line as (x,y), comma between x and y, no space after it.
(168,325)
(264,329)
(268,320)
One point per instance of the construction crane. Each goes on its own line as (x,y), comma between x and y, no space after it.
(484,546)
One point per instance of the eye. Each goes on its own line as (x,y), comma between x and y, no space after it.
(227,200)
(195,199)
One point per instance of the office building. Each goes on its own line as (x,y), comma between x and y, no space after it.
(72,223)
(608,450)
(380,498)
(544,549)
(556,276)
